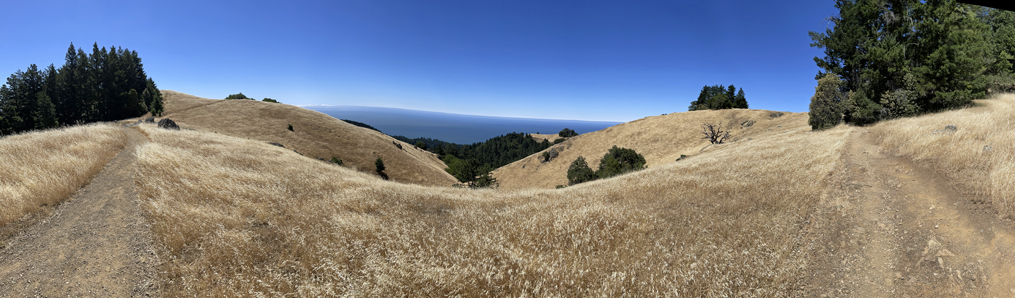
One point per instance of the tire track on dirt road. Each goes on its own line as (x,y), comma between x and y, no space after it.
(890,228)
(96,244)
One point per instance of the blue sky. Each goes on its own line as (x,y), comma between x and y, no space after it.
(583,60)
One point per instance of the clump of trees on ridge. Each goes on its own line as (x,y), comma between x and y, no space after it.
(105,85)
(717,97)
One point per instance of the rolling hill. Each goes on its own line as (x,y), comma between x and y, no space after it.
(916,207)
(314,135)
(661,139)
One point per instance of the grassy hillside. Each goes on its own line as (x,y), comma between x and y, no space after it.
(977,156)
(43,168)
(237,217)
(661,139)
(314,135)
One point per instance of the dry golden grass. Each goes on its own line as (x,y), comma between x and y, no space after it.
(42,168)
(237,217)
(661,139)
(979,157)
(541,137)
(314,135)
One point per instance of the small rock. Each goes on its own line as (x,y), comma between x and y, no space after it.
(168,124)
(150,120)
(276,144)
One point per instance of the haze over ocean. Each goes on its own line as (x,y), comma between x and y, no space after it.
(455,128)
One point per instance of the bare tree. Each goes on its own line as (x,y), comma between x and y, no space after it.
(714,133)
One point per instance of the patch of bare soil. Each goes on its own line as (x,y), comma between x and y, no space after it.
(893,229)
(96,244)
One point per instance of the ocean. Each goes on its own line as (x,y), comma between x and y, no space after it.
(455,128)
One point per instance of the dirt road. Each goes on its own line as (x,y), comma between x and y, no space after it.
(890,228)
(96,244)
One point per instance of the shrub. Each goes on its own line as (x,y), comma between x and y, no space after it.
(618,161)
(379,163)
(826,104)
(336,160)
(558,141)
(421,145)
(237,96)
(269,100)
(291,127)
(567,133)
(550,154)
(579,172)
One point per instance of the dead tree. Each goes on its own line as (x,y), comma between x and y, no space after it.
(714,133)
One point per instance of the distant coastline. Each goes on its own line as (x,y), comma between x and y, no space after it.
(455,128)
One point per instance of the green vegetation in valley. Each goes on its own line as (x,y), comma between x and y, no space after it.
(105,85)
(904,58)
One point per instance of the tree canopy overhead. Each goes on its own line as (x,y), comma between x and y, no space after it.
(899,58)
(105,85)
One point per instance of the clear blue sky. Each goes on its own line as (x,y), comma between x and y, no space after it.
(584,60)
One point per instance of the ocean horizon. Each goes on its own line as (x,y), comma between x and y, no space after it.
(455,128)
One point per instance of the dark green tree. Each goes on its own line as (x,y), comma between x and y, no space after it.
(905,57)
(618,161)
(718,97)
(826,104)
(421,145)
(580,172)
(237,96)
(379,164)
(567,133)
(269,100)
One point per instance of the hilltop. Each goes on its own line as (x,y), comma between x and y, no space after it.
(661,139)
(915,207)
(314,135)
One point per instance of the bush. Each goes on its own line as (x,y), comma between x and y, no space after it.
(421,145)
(336,160)
(269,100)
(558,141)
(237,96)
(618,161)
(579,172)
(379,163)
(567,133)
(827,103)
(291,127)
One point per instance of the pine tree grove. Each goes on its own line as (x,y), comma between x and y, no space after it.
(898,58)
(104,86)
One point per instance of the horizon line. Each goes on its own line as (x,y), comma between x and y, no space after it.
(440,112)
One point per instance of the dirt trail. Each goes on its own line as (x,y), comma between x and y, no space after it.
(893,229)
(96,244)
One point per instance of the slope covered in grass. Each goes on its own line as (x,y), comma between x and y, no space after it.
(314,135)
(42,168)
(238,217)
(661,139)
(978,156)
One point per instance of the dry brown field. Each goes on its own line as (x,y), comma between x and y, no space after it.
(314,135)
(661,139)
(42,168)
(237,217)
